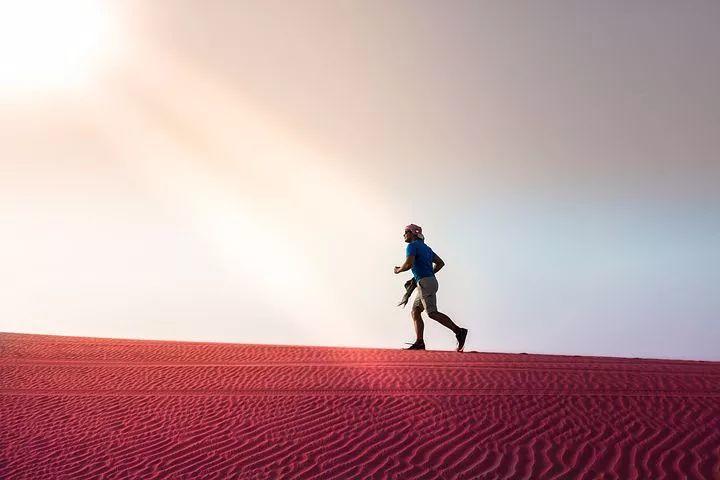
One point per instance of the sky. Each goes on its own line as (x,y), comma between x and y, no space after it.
(234,171)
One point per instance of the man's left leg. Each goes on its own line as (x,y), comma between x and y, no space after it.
(429,287)
(460,333)
(444,320)
(430,302)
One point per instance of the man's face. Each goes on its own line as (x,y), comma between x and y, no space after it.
(408,235)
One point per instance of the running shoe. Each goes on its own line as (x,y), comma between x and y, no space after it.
(461,336)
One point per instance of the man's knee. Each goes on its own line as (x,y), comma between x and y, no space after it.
(416,312)
(435,315)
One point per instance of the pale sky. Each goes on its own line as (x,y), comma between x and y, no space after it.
(242,171)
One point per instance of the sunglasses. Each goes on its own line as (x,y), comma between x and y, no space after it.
(407,231)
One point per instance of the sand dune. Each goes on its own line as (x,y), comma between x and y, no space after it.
(87,408)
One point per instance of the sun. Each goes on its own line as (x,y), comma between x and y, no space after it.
(49,44)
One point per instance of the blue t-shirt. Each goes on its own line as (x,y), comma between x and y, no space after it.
(423,266)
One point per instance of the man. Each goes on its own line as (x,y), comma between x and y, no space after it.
(420,258)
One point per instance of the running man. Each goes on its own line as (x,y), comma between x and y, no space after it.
(421,258)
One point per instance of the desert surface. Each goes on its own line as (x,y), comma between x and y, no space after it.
(90,408)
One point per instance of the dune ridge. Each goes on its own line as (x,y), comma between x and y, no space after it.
(87,408)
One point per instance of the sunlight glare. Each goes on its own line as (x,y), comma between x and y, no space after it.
(45,45)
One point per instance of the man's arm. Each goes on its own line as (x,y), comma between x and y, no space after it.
(409,261)
(438,263)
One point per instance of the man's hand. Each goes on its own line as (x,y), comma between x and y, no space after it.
(409,262)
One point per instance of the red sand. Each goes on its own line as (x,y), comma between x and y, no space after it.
(87,408)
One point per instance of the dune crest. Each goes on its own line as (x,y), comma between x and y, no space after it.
(87,408)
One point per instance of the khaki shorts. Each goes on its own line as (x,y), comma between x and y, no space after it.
(426,298)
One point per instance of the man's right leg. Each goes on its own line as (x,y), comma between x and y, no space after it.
(419,324)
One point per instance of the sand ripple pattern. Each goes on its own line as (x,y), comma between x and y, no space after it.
(86,408)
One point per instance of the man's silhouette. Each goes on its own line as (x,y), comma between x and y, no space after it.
(421,258)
